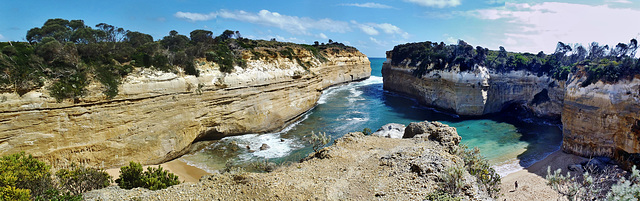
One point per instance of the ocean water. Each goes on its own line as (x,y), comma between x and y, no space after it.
(508,142)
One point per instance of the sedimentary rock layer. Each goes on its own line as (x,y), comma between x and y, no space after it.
(598,120)
(157,116)
(477,92)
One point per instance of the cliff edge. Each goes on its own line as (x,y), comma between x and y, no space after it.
(157,115)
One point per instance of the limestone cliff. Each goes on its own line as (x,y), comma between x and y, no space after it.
(477,92)
(157,115)
(603,119)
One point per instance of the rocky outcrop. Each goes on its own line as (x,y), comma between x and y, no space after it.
(156,116)
(355,167)
(392,130)
(476,92)
(603,119)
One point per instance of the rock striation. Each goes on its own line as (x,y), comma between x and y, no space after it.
(157,115)
(601,119)
(476,92)
(355,167)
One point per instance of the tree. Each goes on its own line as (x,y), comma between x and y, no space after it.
(201,36)
(111,33)
(137,39)
(174,41)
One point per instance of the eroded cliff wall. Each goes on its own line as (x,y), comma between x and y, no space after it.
(157,115)
(476,92)
(603,120)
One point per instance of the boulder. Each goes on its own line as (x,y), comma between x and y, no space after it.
(576,167)
(434,131)
(392,130)
(264,147)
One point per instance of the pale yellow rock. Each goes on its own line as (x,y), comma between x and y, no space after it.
(157,116)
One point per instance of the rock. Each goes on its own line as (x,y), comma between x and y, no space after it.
(575,167)
(158,115)
(264,147)
(594,165)
(392,130)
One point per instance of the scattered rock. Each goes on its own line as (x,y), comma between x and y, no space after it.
(594,165)
(264,147)
(392,130)
(576,167)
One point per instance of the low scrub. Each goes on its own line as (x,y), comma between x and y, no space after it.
(133,176)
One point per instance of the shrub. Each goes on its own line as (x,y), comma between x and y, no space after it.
(13,193)
(319,141)
(69,87)
(110,80)
(588,186)
(21,173)
(80,179)
(452,180)
(441,196)
(479,167)
(190,69)
(626,189)
(57,195)
(366,131)
(132,176)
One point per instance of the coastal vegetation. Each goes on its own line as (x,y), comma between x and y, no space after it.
(22,177)
(133,176)
(596,184)
(597,62)
(70,55)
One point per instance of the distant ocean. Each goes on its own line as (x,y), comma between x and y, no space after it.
(509,143)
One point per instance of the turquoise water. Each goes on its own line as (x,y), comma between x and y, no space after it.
(508,142)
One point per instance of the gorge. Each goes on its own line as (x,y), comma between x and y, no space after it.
(598,119)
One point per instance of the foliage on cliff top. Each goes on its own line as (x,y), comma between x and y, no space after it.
(595,62)
(70,54)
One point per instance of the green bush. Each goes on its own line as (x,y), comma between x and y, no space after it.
(109,79)
(20,173)
(72,87)
(319,141)
(452,180)
(132,176)
(366,131)
(441,196)
(13,193)
(57,195)
(80,179)
(626,189)
(479,167)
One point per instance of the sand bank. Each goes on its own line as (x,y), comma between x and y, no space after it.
(532,184)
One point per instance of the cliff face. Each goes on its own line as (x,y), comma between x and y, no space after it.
(598,120)
(603,120)
(157,116)
(477,92)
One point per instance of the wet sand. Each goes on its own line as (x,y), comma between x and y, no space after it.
(532,184)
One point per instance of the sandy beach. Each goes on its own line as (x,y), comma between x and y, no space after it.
(531,181)
(184,171)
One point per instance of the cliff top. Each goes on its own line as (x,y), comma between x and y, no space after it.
(595,63)
(356,167)
(66,56)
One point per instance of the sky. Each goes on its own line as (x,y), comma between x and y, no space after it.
(372,26)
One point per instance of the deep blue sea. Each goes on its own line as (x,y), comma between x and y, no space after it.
(509,143)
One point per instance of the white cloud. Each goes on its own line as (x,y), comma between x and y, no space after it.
(435,3)
(368,5)
(619,1)
(1,37)
(535,27)
(376,41)
(297,25)
(369,30)
(195,16)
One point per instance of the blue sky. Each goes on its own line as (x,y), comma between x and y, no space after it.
(371,26)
